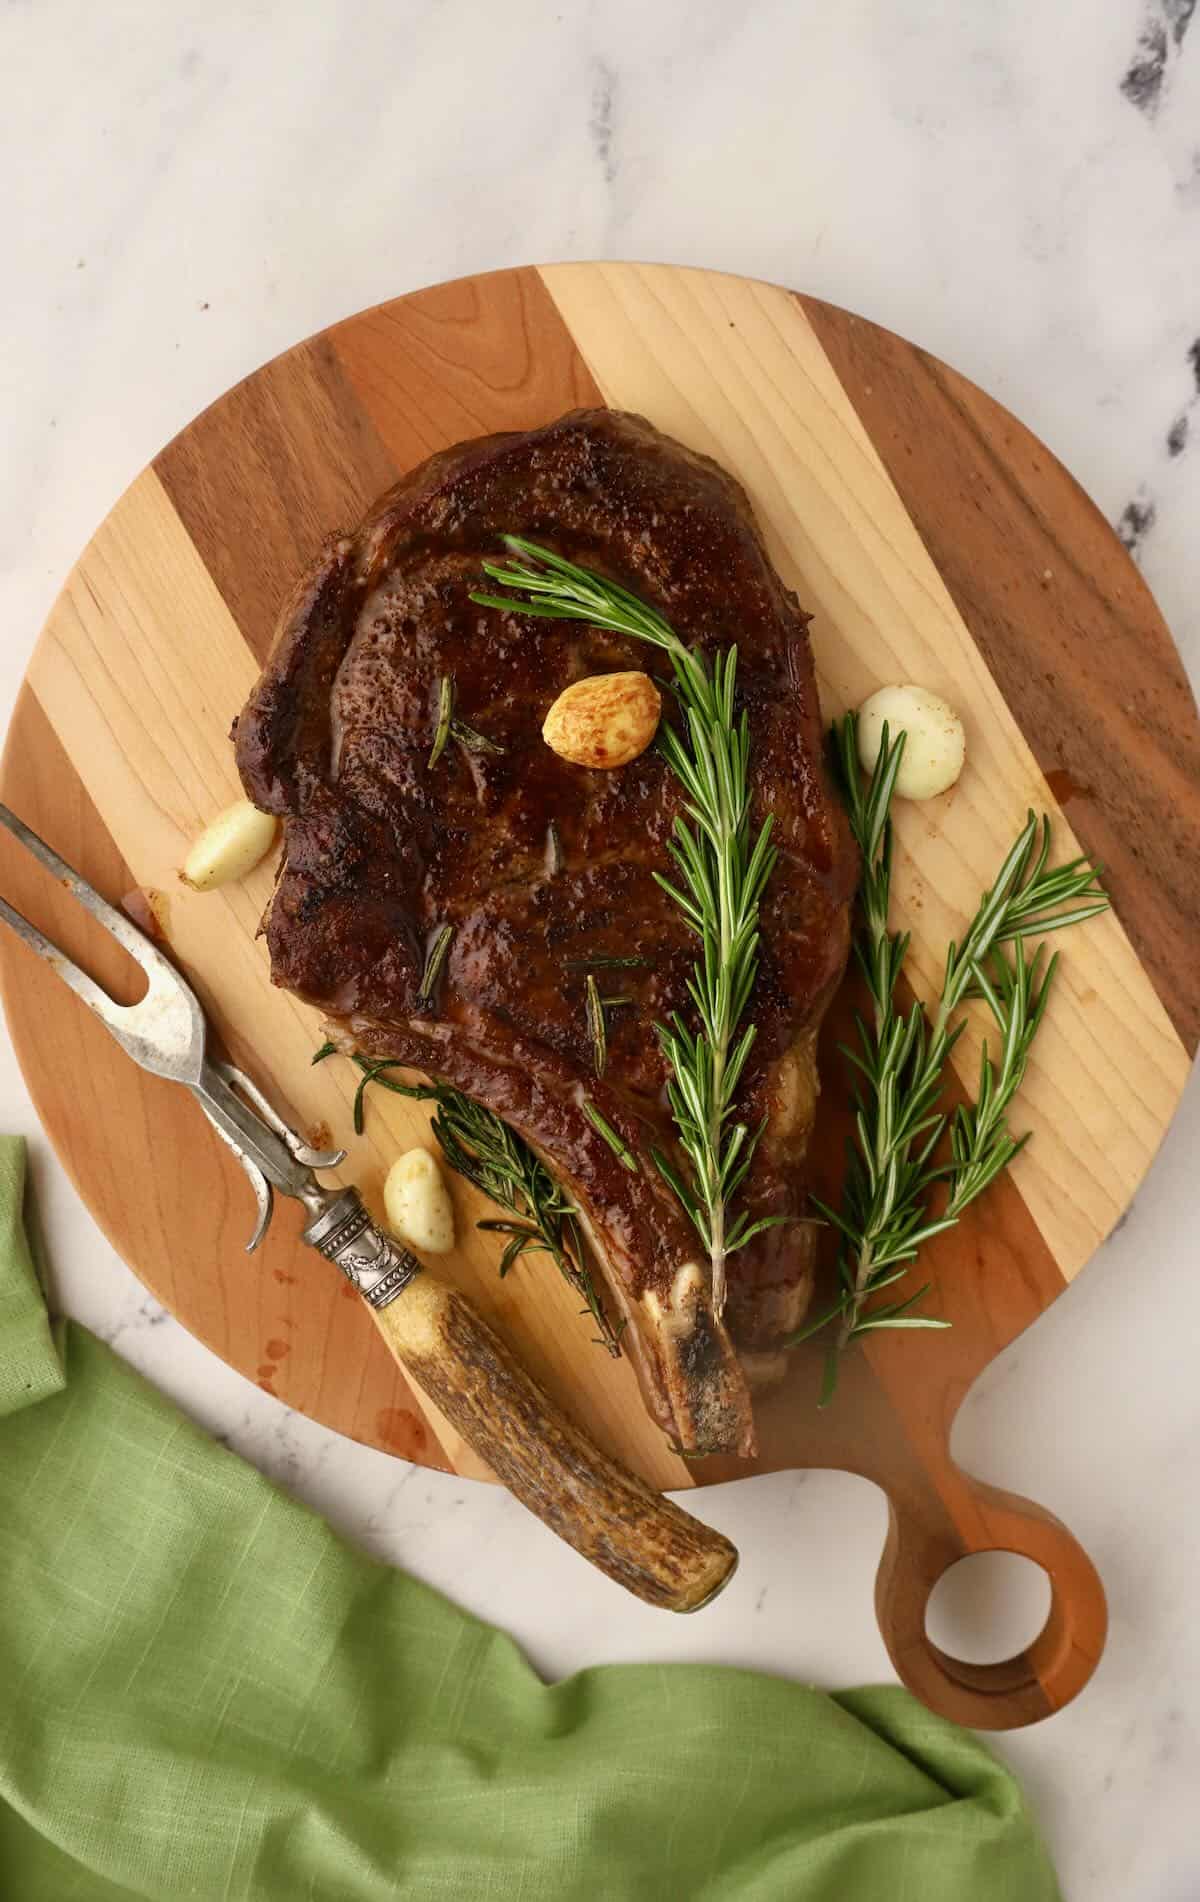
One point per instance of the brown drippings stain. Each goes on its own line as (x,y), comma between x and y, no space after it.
(276,1349)
(319,1136)
(266,1372)
(149,912)
(1064,787)
(349,1291)
(280,1276)
(267,1387)
(402,1431)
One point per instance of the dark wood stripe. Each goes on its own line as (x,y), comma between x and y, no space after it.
(469,358)
(268,473)
(1120,746)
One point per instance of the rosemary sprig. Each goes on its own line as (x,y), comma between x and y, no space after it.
(479,1146)
(484,1150)
(900,1061)
(721,878)
(435,958)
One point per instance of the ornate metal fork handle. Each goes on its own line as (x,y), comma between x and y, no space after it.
(339,1225)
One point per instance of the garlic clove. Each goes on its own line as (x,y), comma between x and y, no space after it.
(935,747)
(229,847)
(605,720)
(417,1203)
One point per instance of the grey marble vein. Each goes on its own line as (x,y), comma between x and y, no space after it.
(1159,40)
(600,120)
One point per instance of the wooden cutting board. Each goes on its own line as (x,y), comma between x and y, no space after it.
(935,540)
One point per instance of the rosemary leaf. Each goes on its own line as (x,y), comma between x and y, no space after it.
(602,962)
(515,1247)
(595,1020)
(908,1320)
(474,741)
(829,1378)
(450,727)
(436,958)
(603,1127)
(377,1066)
(444,718)
(554,852)
(373,1072)
(326,1050)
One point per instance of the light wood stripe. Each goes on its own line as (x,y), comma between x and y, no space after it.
(734,369)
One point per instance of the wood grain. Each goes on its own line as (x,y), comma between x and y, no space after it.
(463,359)
(1119,746)
(309,462)
(934,539)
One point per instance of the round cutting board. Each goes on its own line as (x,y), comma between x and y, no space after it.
(934,539)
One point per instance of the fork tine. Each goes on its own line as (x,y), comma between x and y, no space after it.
(79,981)
(115,922)
(165,1030)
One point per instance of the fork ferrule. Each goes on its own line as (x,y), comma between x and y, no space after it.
(345,1234)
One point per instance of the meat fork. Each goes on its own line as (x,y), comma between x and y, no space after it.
(165,1032)
(640,1539)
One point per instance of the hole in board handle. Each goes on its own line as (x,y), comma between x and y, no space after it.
(988,1607)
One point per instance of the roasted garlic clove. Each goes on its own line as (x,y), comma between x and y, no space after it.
(935,746)
(229,847)
(417,1204)
(605,720)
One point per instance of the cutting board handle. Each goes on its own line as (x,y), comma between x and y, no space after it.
(1035,1682)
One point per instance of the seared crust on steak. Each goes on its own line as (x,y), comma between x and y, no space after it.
(381,850)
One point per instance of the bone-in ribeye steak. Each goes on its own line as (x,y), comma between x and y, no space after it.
(381,850)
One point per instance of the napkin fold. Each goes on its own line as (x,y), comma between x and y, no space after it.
(204,1692)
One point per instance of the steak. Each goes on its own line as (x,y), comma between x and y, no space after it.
(545,870)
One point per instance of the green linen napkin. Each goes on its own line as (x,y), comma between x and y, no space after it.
(205,1693)
(29,1366)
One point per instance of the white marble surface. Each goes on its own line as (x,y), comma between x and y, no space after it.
(193,187)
